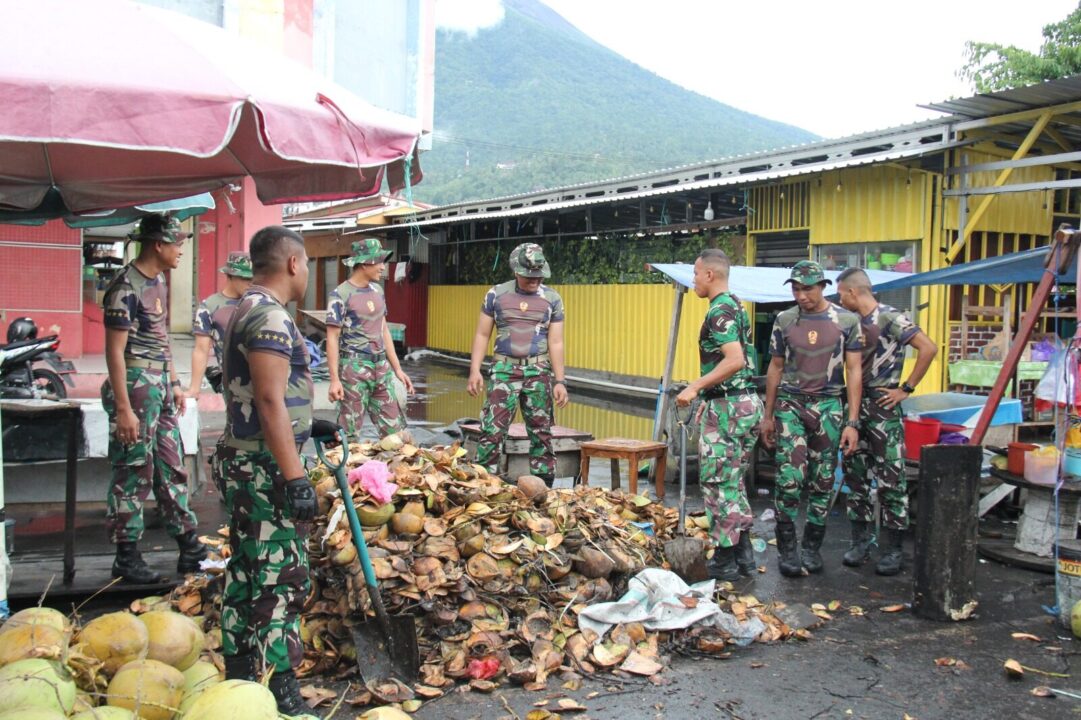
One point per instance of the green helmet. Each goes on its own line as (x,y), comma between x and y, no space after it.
(808,272)
(528,261)
(367,250)
(238,265)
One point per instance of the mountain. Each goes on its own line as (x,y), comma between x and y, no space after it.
(533,103)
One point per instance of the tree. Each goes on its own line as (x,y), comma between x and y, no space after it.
(992,67)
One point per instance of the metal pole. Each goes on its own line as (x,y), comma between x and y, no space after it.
(669,362)
(4,611)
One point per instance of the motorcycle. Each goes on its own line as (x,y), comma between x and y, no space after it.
(19,378)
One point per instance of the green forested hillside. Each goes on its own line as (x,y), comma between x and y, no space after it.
(534,103)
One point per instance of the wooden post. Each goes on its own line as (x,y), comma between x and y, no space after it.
(944,567)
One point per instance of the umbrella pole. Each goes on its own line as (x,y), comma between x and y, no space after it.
(669,363)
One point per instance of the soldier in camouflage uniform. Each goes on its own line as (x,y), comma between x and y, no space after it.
(886,333)
(527,365)
(211,319)
(730,417)
(360,353)
(143,399)
(812,346)
(268,405)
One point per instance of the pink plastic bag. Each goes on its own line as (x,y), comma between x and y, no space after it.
(373,478)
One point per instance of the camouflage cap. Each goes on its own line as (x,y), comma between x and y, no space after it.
(238,265)
(528,261)
(367,250)
(808,272)
(159,227)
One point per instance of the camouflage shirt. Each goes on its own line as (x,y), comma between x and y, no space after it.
(359,312)
(726,322)
(261,324)
(522,319)
(140,305)
(886,331)
(813,346)
(212,318)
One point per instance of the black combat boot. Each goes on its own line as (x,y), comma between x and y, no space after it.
(241,667)
(192,552)
(549,479)
(286,689)
(891,561)
(859,550)
(130,566)
(745,554)
(812,543)
(723,565)
(787,550)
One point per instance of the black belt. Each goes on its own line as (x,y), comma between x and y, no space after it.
(715,393)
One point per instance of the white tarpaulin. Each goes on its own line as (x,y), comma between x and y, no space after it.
(763,284)
(652,598)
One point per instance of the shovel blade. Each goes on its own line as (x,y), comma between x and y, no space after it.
(379,659)
(687,558)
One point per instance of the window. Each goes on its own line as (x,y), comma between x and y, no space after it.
(897,256)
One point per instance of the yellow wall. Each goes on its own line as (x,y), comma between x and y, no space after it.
(1027,212)
(873,204)
(611,328)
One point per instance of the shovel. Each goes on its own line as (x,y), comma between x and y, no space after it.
(386,646)
(686,555)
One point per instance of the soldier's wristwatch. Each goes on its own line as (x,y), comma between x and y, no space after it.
(852,424)
(907,388)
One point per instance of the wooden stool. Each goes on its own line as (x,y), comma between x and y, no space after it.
(633,451)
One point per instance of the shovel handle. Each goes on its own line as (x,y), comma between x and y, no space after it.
(351,513)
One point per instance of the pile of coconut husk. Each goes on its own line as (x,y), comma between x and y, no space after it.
(494,573)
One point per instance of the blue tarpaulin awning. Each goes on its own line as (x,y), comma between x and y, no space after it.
(1019,267)
(763,284)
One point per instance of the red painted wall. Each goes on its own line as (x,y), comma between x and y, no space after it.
(228,228)
(41,278)
(407,302)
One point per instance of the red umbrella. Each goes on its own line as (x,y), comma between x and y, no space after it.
(114,103)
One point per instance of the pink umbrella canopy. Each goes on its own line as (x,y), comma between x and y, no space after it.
(115,104)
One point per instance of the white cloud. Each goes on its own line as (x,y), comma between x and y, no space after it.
(467,16)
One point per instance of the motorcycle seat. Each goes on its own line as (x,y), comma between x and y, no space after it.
(27,343)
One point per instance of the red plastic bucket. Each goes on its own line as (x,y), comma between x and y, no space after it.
(920,432)
(1015,456)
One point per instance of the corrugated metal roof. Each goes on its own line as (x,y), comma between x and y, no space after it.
(730,178)
(1045,94)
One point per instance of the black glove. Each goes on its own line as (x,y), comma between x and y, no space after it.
(214,377)
(301,497)
(326,432)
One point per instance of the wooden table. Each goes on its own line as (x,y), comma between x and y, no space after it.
(68,417)
(633,451)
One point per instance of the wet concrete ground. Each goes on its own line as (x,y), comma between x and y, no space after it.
(878,665)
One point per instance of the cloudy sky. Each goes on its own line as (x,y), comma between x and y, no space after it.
(834,67)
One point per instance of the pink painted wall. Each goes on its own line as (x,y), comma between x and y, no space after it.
(226,229)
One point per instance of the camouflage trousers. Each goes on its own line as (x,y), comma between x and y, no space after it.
(879,456)
(266,580)
(728,432)
(509,385)
(369,387)
(808,437)
(153,462)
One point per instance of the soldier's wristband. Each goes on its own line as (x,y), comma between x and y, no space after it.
(908,388)
(855,424)
(175,383)
(560,382)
